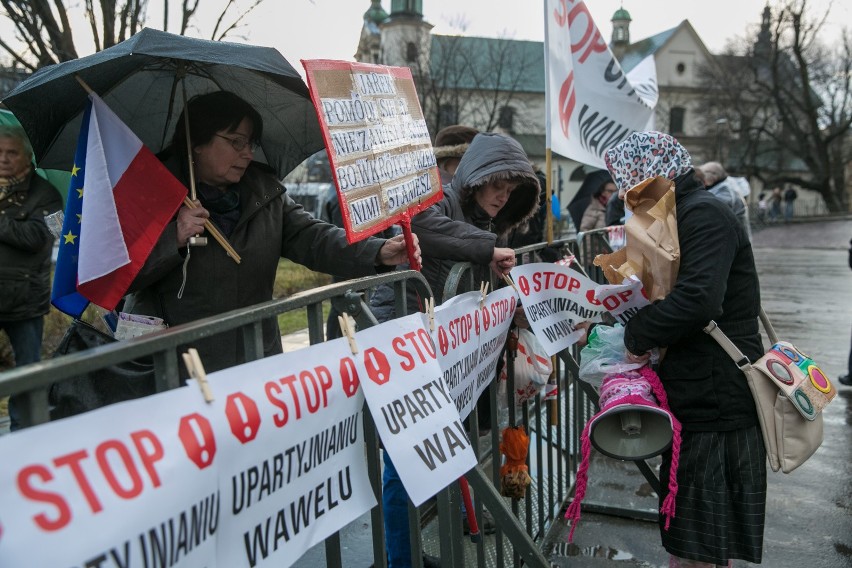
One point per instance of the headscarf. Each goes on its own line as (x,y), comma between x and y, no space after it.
(644,155)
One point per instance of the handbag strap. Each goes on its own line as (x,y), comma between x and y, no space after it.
(732,350)
(767,326)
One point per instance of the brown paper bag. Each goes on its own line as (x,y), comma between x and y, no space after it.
(652,252)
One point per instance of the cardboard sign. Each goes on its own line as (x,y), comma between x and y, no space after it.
(470,340)
(377,141)
(274,465)
(555,298)
(414,414)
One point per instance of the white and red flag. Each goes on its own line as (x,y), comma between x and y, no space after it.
(592,104)
(129,197)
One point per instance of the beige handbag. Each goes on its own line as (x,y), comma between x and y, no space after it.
(789,391)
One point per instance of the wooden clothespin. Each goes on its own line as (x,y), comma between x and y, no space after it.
(347,326)
(483,292)
(510,282)
(196,371)
(430,311)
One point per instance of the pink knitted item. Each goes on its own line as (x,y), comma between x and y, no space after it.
(639,388)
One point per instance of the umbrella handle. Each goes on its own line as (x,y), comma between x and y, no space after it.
(405,222)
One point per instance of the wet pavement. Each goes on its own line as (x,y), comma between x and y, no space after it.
(806,287)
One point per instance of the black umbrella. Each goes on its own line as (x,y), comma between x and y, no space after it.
(580,201)
(140,79)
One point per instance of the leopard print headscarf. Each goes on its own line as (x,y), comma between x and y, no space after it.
(644,155)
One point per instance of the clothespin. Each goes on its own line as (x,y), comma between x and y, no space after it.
(347,326)
(510,282)
(430,311)
(196,371)
(483,292)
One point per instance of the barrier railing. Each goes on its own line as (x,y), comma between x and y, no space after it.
(554,427)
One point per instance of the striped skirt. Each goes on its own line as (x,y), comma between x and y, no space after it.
(721,497)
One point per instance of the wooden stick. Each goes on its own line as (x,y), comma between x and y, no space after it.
(211,228)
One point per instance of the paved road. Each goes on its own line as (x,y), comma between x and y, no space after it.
(807,292)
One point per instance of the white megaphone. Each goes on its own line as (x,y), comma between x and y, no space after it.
(631,432)
(630,424)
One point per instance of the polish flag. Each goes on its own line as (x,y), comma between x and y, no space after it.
(129,197)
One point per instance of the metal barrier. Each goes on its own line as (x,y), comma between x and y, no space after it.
(554,428)
(554,439)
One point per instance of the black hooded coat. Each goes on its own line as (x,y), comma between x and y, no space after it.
(456,229)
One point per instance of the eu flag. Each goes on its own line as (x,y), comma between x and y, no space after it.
(65,296)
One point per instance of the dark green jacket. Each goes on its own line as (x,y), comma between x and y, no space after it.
(25,249)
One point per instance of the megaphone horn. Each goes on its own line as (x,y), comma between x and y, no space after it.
(631,432)
(634,423)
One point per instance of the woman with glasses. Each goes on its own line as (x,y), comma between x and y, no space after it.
(249,206)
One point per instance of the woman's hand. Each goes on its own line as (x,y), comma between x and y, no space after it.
(190,222)
(394,252)
(638,359)
(502,261)
(585,326)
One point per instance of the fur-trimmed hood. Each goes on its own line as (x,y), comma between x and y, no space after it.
(490,157)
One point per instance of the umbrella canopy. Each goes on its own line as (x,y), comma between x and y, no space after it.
(580,201)
(140,79)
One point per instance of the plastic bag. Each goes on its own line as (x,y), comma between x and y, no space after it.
(604,355)
(532,367)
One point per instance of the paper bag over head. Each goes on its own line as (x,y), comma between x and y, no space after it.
(646,162)
(652,252)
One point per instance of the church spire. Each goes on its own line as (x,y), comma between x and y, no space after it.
(621,27)
(763,45)
(375,14)
(407,9)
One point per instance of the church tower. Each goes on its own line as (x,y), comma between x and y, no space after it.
(406,37)
(763,45)
(370,42)
(620,31)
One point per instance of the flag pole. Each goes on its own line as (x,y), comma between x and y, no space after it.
(549,193)
(553,405)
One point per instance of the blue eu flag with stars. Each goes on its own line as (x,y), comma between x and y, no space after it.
(65,296)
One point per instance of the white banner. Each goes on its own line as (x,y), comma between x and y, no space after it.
(115,487)
(622,300)
(292,467)
(470,340)
(414,414)
(592,105)
(272,466)
(555,298)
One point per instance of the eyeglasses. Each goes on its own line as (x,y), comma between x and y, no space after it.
(240,144)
